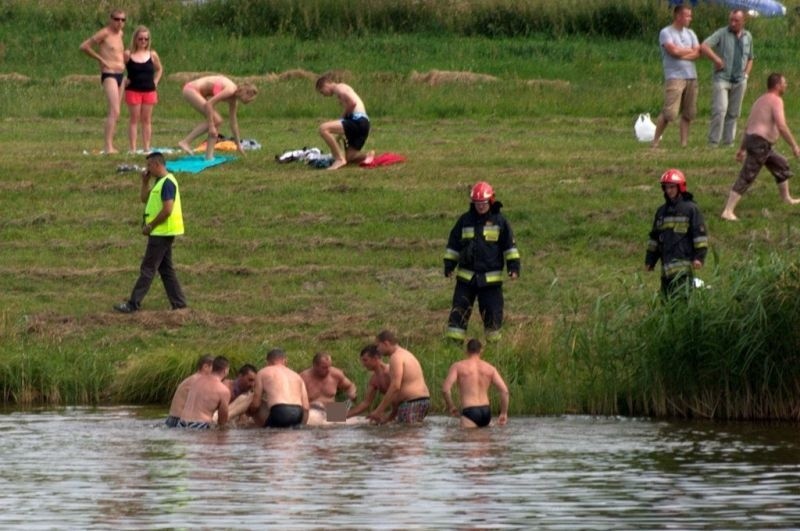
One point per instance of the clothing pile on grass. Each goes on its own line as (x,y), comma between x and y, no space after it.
(228,144)
(312,156)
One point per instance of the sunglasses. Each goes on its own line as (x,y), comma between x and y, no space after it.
(119,19)
(143,38)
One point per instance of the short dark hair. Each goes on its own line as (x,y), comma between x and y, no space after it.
(774,80)
(220,364)
(474,346)
(319,356)
(680,7)
(204,360)
(387,336)
(370,350)
(246,368)
(327,77)
(158,157)
(275,354)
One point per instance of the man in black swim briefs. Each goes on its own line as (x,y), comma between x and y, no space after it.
(474,377)
(280,399)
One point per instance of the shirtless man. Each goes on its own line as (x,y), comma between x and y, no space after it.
(765,125)
(179,398)
(323,381)
(474,377)
(110,55)
(407,386)
(241,391)
(378,382)
(354,123)
(207,395)
(280,399)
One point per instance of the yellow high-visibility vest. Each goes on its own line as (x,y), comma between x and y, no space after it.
(173,225)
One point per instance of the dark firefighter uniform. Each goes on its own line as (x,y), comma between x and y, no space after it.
(678,238)
(478,248)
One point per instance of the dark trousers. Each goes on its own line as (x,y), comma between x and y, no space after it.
(158,257)
(490,305)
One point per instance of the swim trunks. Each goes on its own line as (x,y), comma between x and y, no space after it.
(412,411)
(194,425)
(356,129)
(480,415)
(284,416)
(172,422)
(117,77)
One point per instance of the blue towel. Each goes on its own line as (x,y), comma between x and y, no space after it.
(196,163)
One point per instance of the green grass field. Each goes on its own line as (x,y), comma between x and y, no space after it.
(308,260)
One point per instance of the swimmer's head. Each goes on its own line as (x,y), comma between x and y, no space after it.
(246,92)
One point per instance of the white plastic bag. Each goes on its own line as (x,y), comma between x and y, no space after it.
(644,128)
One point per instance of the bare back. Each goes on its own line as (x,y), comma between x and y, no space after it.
(474,377)
(351,102)
(218,87)
(278,384)
(766,116)
(402,363)
(206,396)
(181,393)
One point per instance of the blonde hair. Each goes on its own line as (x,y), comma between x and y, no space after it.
(137,31)
(246,92)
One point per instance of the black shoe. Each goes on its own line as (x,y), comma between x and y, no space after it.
(124,307)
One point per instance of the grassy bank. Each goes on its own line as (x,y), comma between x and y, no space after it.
(283,255)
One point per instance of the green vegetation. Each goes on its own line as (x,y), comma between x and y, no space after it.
(284,255)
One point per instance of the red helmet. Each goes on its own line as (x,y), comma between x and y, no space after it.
(673,176)
(482,191)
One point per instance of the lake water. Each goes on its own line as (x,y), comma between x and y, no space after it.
(119,468)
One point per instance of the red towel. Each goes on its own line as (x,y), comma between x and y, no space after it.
(384,159)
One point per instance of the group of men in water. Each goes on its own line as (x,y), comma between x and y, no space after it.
(278,397)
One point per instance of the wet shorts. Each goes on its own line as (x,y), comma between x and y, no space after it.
(680,97)
(284,416)
(480,415)
(194,425)
(760,154)
(356,130)
(117,77)
(412,411)
(134,97)
(172,422)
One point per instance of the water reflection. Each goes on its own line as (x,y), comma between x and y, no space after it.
(113,468)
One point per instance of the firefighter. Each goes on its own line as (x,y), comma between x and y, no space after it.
(678,238)
(480,244)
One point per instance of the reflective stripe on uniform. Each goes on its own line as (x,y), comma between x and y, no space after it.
(700,242)
(493,335)
(465,274)
(467,233)
(450,254)
(677,266)
(679,224)
(652,246)
(511,254)
(456,333)
(494,276)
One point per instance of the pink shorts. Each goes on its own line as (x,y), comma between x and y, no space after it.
(133,97)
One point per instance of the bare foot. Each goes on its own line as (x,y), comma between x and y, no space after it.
(184,146)
(111,151)
(369,158)
(791,200)
(728,216)
(337,164)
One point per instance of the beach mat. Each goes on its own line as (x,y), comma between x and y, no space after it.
(196,163)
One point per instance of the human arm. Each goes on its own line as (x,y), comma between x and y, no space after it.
(510,251)
(345,95)
(168,192)
(158,69)
(395,381)
(232,114)
(707,51)
(304,401)
(502,388)
(447,385)
(699,236)
(453,249)
(89,44)
(364,404)
(258,390)
(653,248)
(347,386)
(222,408)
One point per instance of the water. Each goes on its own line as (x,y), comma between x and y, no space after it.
(117,468)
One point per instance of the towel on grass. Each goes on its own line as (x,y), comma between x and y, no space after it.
(196,163)
(384,159)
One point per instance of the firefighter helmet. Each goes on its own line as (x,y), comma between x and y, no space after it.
(482,191)
(673,176)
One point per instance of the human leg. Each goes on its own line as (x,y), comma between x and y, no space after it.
(688,101)
(198,102)
(719,107)
(490,305)
(156,248)
(463,298)
(778,166)
(146,117)
(112,91)
(327,131)
(673,89)
(735,98)
(135,112)
(170,280)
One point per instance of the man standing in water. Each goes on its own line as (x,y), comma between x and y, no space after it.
(179,398)
(110,56)
(280,399)
(378,382)
(765,125)
(474,377)
(207,395)
(407,387)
